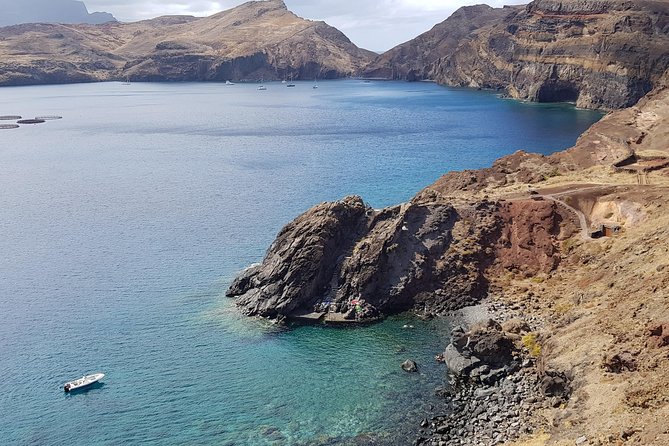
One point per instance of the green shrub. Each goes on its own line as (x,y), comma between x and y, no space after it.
(532,345)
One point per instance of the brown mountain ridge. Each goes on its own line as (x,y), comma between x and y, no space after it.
(259,39)
(603,54)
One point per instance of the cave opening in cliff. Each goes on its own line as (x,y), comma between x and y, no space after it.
(557,92)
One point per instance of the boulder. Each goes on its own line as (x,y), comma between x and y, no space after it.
(484,353)
(620,362)
(488,343)
(658,335)
(410,366)
(515,326)
(457,363)
(555,384)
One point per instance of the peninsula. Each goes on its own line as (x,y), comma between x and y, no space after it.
(566,251)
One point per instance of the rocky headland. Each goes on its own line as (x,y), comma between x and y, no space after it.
(603,54)
(259,39)
(568,250)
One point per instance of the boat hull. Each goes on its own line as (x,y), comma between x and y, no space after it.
(83,382)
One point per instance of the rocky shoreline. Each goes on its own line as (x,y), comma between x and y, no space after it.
(565,250)
(496,384)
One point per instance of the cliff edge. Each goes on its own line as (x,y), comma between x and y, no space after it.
(603,54)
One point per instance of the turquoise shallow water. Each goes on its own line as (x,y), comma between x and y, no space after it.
(122,224)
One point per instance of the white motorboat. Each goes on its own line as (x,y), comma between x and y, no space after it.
(82,382)
(229,83)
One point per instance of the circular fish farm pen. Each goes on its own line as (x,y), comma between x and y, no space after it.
(30,121)
(10,118)
(48,117)
(9,126)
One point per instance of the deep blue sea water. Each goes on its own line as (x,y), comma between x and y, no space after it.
(122,224)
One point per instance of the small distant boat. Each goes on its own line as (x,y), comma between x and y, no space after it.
(229,83)
(290,84)
(315,85)
(82,382)
(262,88)
(127,81)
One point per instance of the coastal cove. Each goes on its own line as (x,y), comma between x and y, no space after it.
(124,222)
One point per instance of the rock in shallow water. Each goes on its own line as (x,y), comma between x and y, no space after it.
(410,366)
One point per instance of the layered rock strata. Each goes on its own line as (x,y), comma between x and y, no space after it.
(603,54)
(413,60)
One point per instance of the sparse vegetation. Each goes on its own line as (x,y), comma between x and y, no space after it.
(569,245)
(531,343)
(552,174)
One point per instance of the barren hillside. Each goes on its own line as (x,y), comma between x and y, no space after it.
(259,39)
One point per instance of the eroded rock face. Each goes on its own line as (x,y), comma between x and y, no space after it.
(426,254)
(598,53)
(603,54)
(302,261)
(620,135)
(413,60)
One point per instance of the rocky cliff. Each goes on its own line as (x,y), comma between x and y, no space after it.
(598,53)
(259,39)
(431,254)
(414,59)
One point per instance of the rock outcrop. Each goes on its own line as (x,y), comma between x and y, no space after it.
(440,251)
(588,338)
(429,254)
(259,39)
(603,54)
(413,60)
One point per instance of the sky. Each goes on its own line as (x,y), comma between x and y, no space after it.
(377,25)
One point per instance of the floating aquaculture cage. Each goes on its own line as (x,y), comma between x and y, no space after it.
(10,117)
(48,117)
(30,121)
(9,126)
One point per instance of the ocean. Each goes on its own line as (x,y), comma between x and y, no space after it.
(122,224)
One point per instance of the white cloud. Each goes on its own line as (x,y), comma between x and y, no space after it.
(373,24)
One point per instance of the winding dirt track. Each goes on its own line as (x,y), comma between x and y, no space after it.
(585,230)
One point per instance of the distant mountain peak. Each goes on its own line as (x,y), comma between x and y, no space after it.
(15,12)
